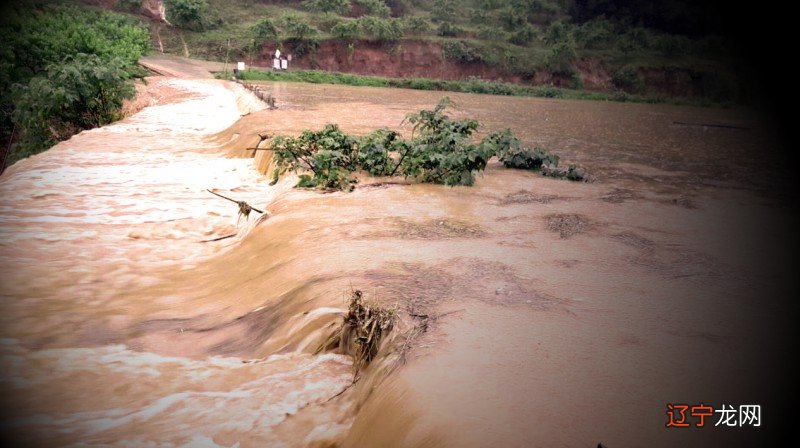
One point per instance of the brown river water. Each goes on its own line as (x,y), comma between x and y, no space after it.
(572,313)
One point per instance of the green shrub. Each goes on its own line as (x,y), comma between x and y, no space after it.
(381,29)
(340,7)
(444,10)
(189,14)
(373,152)
(598,33)
(478,16)
(572,173)
(441,151)
(557,33)
(129,5)
(635,39)
(417,25)
(559,60)
(511,18)
(513,155)
(447,29)
(491,33)
(36,41)
(376,8)
(627,79)
(82,92)
(330,155)
(346,29)
(460,51)
(294,27)
(524,35)
(265,29)
(511,152)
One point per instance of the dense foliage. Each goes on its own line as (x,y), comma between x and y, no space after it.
(441,150)
(63,68)
(190,14)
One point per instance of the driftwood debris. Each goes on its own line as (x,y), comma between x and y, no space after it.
(219,238)
(244,207)
(262,138)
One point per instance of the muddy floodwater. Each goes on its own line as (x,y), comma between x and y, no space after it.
(138,309)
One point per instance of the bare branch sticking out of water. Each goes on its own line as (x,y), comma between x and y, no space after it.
(244,207)
(219,238)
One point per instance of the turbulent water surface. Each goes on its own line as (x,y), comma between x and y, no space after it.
(573,311)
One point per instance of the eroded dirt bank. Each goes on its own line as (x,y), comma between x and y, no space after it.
(576,311)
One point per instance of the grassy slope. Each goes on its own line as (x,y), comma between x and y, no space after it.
(228,35)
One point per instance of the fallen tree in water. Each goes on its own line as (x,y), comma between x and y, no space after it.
(441,150)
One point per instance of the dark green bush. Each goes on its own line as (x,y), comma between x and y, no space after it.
(513,155)
(417,25)
(559,60)
(340,7)
(346,29)
(294,27)
(189,14)
(376,8)
(82,92)
(63,68)
(441,151)
(524,35)
(330,155)
(460,51)
(557,33)
(447,29)
(598,33)
(265,29)
(373,152)
(635,39)
(628,80)
(572,173)
(491,33)
(444,10)
(381,29)
(511,18)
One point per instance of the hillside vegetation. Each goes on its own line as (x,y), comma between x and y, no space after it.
(68,65)
(63,68)
(637,43)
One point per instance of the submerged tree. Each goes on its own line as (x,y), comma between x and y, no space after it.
(441,150)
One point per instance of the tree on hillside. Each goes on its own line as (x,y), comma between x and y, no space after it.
(340,7)
(190,14)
